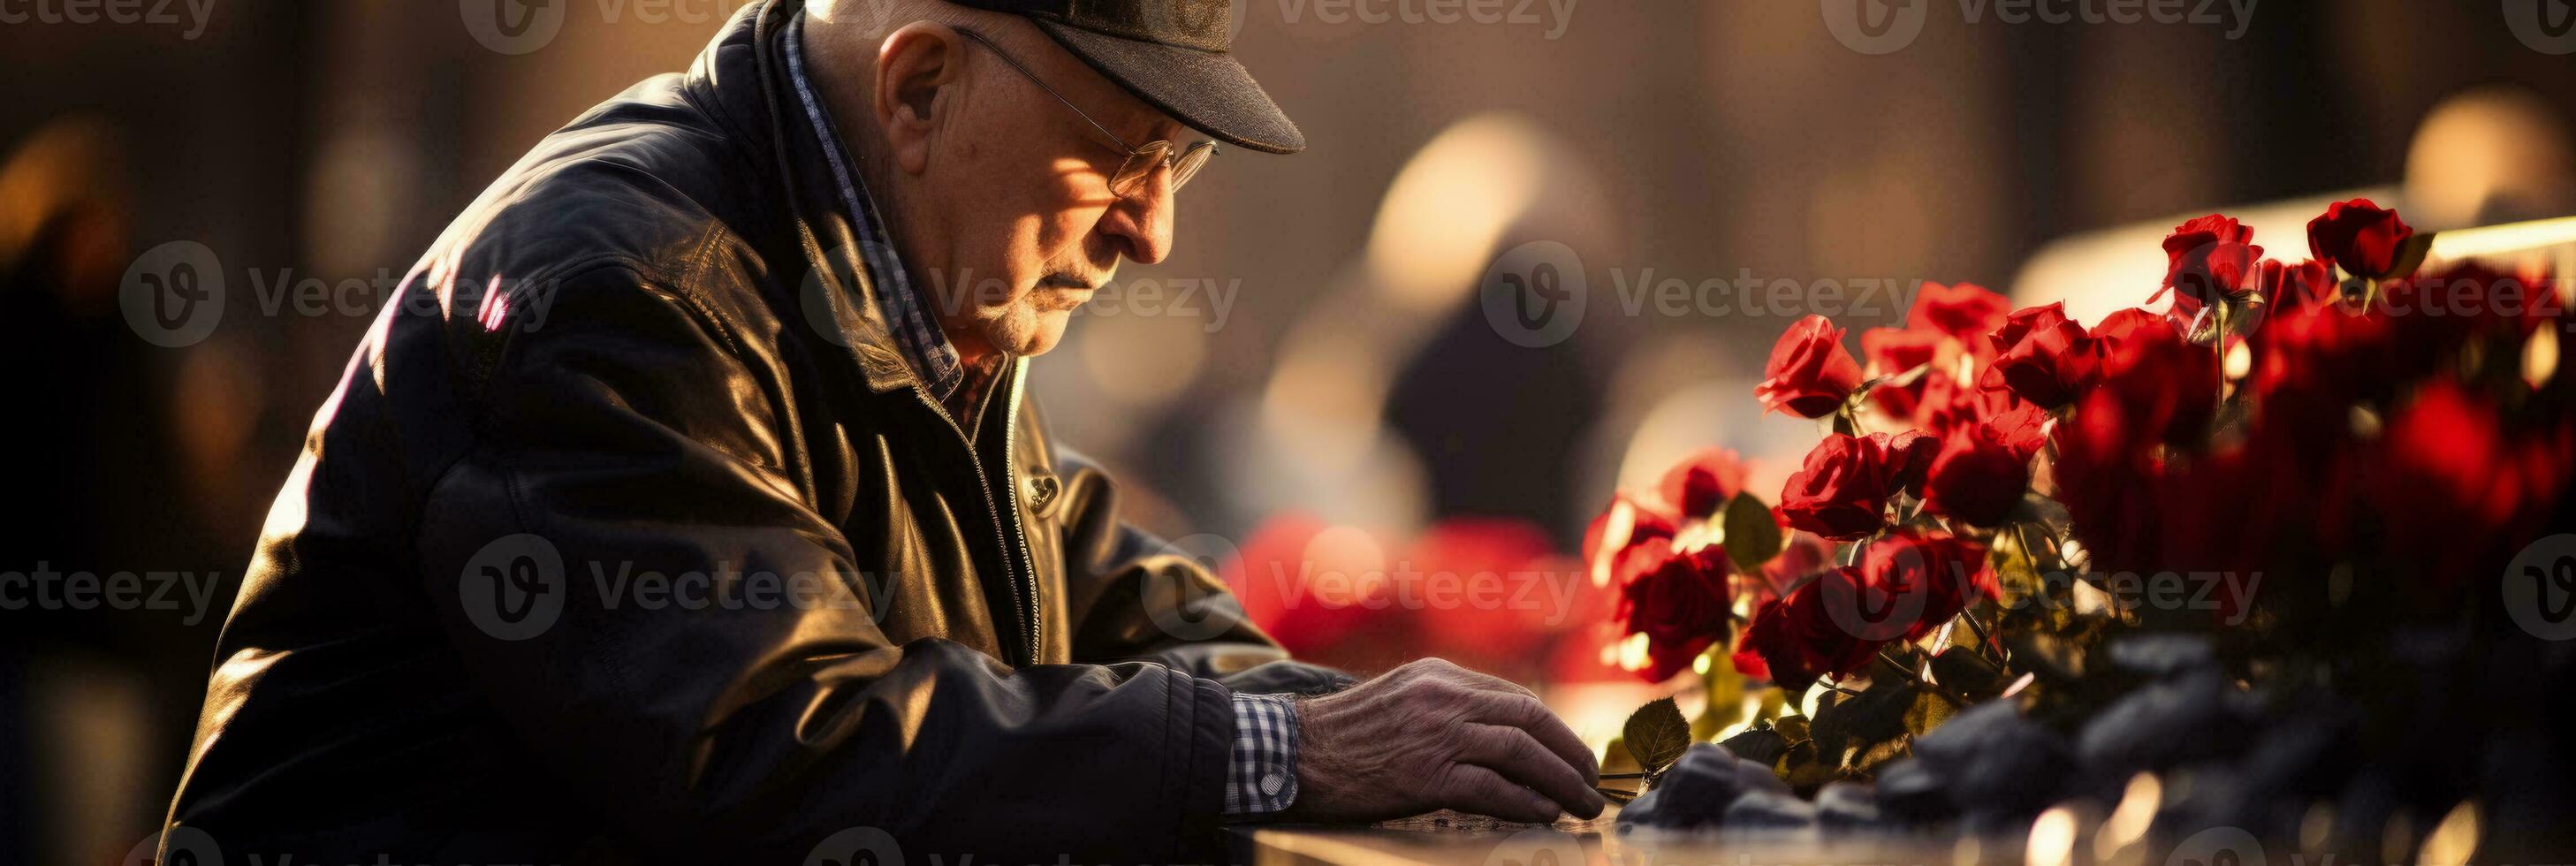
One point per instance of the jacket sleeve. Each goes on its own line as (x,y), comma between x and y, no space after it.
(627,442)
(1138,597)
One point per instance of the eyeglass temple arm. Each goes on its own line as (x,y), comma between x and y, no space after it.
(1042,85)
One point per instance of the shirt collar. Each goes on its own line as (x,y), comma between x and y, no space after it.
(915,327)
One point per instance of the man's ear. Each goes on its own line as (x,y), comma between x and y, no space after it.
(915,68)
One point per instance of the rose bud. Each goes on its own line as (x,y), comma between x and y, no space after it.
(2207,259)
(1810,373)
(2360,237)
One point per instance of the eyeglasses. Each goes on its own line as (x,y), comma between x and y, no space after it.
(1141,161)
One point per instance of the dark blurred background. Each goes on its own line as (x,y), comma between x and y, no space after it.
(1320,366)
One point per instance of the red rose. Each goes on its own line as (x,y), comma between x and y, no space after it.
(1810,373)
(1702,483)
(1966,311)
(1682,606)
(2120,326)
(1626,525)
(1842,489)
(2360,237)
(2317,363)
(1894,352)
(2168,385)
(2104,471)
(2023,429)
(1975,479)
(2042,357)
(1949,404)
(2208,259)
(1928,579)
(2453,489)
(1805,633)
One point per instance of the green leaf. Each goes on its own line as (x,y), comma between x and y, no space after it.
(1759,745)
(1657,735)
(1752,536)
(1615,795)
(1875,715)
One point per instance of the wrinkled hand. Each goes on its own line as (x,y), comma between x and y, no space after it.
(1432,735)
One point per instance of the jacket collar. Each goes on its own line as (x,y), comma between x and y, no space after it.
(741,80)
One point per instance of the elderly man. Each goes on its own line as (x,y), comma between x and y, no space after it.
(688,506)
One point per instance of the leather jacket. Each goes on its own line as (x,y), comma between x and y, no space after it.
(646,358)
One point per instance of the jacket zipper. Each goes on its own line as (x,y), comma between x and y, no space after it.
(1025,578)
(1011,494)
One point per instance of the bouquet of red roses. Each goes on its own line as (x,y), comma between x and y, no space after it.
(2279,457)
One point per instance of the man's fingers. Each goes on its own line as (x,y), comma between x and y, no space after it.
(1528,714)
(1470,788)
(1518,757)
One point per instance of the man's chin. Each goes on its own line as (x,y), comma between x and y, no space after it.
(1043,334)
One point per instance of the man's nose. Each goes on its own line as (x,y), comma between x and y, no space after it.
(1141,220)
